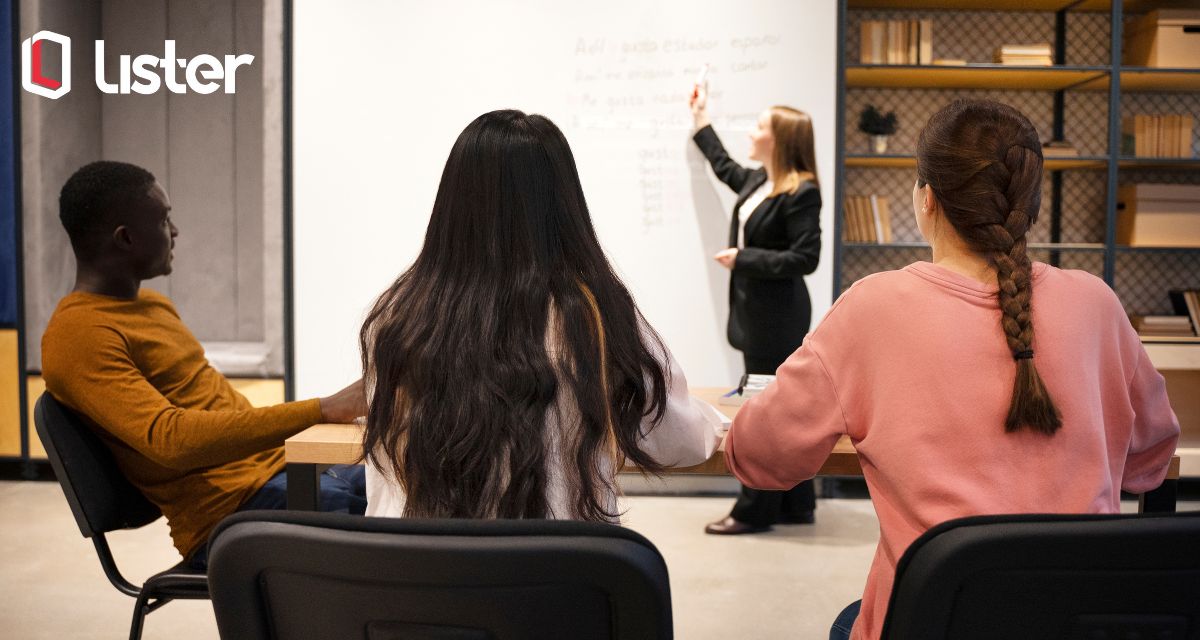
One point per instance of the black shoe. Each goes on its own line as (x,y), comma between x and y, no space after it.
(728,526)
(804,517)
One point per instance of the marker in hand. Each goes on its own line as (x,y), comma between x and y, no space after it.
(701,81)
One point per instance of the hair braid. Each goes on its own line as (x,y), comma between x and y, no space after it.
(997,149)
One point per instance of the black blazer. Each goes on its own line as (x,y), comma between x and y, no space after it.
(769,307)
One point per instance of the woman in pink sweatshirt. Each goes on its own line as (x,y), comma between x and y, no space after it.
(934,371)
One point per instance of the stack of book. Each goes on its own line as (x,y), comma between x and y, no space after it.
(1028,55)
(1059,149)
(1187,302)
(1163,326)
(867,219)
(1162,136)
(897,42)
(1181,327)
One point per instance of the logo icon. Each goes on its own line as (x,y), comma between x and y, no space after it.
(36,57)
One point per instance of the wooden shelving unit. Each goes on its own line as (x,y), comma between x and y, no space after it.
(1125,90)
(1038,246)
(973,76)
(901,161)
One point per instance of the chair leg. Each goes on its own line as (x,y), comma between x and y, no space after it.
(139,615)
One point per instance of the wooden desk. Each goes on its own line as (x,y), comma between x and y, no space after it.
(326,444)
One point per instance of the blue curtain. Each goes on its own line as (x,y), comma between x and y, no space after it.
(8,160)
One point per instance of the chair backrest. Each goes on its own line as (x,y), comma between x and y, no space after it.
(1050,576)
(328,575)
(100,496)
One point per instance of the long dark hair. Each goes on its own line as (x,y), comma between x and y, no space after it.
(983,161)
(510,306)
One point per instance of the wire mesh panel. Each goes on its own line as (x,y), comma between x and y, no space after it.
(1089,261)
(1144,279)
(1085,121)
(860,262)
(1083,207)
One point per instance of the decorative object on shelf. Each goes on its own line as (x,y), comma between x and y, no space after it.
(896,42)
(1158,215)
(1027,55)
(949,62)
(877,125)
(1168,38)
(1059,149)
(1161,136)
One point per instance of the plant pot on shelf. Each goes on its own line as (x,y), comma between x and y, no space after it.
(879,144)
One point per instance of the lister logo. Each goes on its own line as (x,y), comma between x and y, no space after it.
(145,67)
(35,55)
(143,74)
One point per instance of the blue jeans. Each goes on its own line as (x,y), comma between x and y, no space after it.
(343,489)
(845,621)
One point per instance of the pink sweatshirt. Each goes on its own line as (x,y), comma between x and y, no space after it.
(913,366)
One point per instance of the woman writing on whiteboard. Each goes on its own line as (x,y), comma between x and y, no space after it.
(774,241)
(511,374)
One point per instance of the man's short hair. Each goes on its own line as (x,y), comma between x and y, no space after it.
(94,197)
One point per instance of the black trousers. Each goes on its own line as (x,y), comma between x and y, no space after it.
(762,508)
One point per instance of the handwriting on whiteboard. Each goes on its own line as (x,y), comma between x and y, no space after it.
(629,95)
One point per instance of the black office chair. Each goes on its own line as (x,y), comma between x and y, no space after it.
(284,575)
(102,501)
(1080,577)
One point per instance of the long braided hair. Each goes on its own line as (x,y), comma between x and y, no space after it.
(983,160)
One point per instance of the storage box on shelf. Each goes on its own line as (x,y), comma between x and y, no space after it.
(1159,215)
(1164,38)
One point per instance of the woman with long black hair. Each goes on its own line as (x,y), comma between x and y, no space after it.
(509,370)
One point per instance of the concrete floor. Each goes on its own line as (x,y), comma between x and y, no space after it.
(789,583)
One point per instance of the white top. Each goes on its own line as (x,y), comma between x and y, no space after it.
(748,208)
(687,435)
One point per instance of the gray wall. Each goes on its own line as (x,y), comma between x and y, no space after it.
(213,153)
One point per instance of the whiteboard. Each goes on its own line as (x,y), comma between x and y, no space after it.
(382,89)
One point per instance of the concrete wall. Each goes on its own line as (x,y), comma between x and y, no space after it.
(211,152)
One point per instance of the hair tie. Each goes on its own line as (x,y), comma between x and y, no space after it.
(1023,355)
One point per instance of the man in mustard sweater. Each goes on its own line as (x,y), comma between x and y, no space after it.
(120,356)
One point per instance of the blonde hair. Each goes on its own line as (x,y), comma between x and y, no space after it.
(794,158)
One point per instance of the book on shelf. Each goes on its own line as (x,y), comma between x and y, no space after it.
(1187,304)
(1059,149)
(949,62)
(1157,136)
(867,219)
(1025,54)
(896,42)
(1164,326)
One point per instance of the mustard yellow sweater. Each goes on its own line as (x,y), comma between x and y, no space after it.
(180,433)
